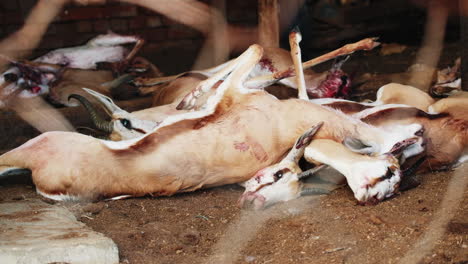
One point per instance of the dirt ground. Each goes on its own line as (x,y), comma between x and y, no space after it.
(427,224)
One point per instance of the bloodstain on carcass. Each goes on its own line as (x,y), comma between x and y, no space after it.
(266,63)
(257,150)
(242,146)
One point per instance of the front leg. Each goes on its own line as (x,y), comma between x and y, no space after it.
(372,179)
(118,67)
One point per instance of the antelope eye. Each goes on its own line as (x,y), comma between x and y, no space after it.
(126,123)
(278,175)
(10,77)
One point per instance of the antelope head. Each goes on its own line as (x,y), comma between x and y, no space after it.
(371,178)
(29,79)
(123,125)
(279,182)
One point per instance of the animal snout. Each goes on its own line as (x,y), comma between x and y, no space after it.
(251,200)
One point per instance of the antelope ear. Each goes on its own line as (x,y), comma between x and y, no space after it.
(339,61)
(126,78)
(109,106)
(401,146)
(358,146)
(301,143)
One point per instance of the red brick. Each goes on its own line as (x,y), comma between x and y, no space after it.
(52,29)
(93,12)
(82,13)
(137,22)
(153,21)
(84,26)
(119,25)
(52,42)
(145,11)
(126,11)
(26,5)
(9,5)
(63,29)
(11,28)
(155,34)
(13,18)
(168,22)
(101,26)
(182,32)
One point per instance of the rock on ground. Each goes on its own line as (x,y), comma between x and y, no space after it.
(35,232)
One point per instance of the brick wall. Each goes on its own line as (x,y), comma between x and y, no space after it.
(167,41)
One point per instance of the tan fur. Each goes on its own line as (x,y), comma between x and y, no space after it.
(169,92)
(177,158)
(73,81)
(456,105)
(184,156)
(395,93)
(447,136)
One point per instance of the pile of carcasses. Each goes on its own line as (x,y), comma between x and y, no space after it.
(249,120)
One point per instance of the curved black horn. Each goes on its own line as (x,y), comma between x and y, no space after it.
(98,121)
(310,172)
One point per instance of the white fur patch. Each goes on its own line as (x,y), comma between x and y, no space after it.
(359,173)
(60,197)
(430,110)
(111,39)
(324,101)
(398,133)
(454,84)
(370,111)
(209,109)
(463,158)
(120,197)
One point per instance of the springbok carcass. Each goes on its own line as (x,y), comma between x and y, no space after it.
(105,53)
(391,95)
(173,89)
(277,62)
(281,181)
(226,140)
(446,146)
(102,81)
(448,81)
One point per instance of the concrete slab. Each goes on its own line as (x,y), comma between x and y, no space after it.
(33,232)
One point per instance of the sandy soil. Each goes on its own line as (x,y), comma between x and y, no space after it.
(427,224)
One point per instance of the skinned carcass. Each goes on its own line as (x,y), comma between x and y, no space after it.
(226,140)
(29,79)
(276,65)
